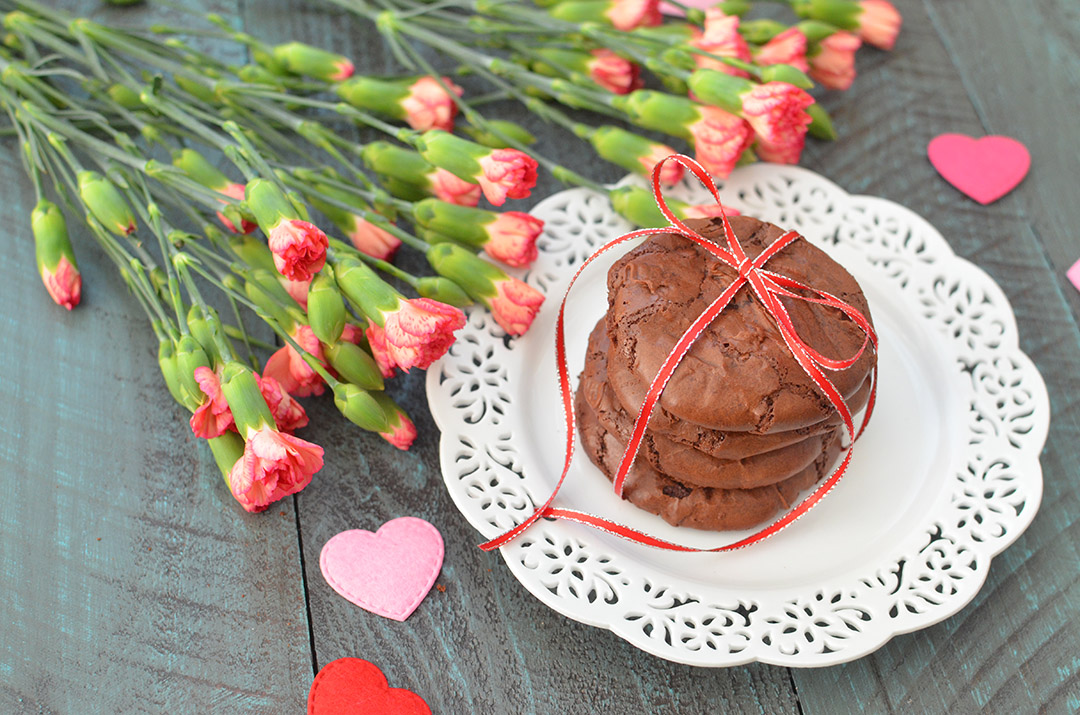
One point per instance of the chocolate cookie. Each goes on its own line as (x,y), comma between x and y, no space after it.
(739,375)
(680,504)
(684,462)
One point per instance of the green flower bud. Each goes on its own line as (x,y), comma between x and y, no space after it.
(252,251)
(821,125)
(361,285)
(170,369)
(227,450)
(488,138)
(474,275)
(672,33)
(397,162)
(638,206)
(632,152)
(443,290)
(815,31)
(51,240)
(580,11)
(841,13)
(557,61)
(717,88)
(203,331)
(263,289)
(105,203)
(190,355)
(256,74)
(404,190)
(354,365)
(786,73)
(196,89)
(462,223)
(310,61)
(360,408)
(246,402)
(659,111)
(326,307)
(199,170)
(458,156)
(376,95)
(268,203)
(125,97)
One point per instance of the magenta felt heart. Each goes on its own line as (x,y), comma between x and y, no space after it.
(985,169)
(388,572)
(356,687)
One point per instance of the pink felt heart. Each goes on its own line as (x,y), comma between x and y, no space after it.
(388,572)
(356,687)
(985,169)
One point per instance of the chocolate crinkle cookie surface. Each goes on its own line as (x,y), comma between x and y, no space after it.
(740,429)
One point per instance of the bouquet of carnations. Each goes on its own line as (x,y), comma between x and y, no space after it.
(197,176)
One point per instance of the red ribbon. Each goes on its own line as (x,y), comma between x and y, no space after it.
(768,287)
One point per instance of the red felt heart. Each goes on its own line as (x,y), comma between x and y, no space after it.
(985,169)
(351,686)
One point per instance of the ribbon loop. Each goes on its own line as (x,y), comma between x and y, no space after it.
(769,288)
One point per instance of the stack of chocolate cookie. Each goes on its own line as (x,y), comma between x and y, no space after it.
(740,428)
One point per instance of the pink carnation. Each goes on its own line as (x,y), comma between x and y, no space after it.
(879,23)
(776,111)
(721,37)
(235,191)
(274,465)
(428,106)
(506,173)
(787,48)
(672,172)
(402,434)
(720,138)
(515,305)
(64,283)
(372,240)
(420,331)
(512,238)
(614,73)
(449,188)
(625,15)
(833,66)
(299,249)
(288,414)
(213,417)
(292,371)
(376,338)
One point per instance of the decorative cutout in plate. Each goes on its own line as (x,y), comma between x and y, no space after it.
(946,476)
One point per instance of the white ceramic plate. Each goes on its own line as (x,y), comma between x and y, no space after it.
(946,476)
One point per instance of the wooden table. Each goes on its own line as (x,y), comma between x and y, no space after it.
(131,582)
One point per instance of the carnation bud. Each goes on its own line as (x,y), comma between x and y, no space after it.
(786,73)
(458,156)
(227,449)
(199,170)
(241,390)
(325,307)
(205,330)
(54,255)
(124,96)
(367,291)
(443,290)
(105,203)
(473,274)
(354,364)
(310,61)
(821,125)
(190,355)
(359,407)
(170,369)
(487,136)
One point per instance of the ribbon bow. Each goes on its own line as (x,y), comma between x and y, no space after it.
(769,287)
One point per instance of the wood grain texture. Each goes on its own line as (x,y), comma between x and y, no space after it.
(1012,649)
(131,581)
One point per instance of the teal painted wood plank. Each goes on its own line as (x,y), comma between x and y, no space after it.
(131,582)
(1013,649)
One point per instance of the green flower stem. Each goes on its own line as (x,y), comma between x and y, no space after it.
(274,325)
